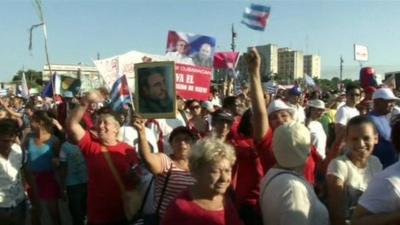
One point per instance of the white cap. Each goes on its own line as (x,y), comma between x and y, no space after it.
(278,105)
(384,93)
(291,145)
(319,104)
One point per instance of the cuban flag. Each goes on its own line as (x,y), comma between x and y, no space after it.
(193,41)
(120,94)
(256,16)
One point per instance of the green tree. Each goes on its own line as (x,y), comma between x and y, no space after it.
(33,77)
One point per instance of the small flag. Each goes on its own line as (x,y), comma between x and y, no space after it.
(24,88)
(226,60)
(256,17)
(270,87)
(48,90)
(120,94)
(309,81)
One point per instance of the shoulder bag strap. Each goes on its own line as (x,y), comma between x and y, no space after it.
(163,189)
(113,169)
(273,177)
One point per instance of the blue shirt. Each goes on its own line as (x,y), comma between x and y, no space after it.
(384,150)
(40,157)
(76,164)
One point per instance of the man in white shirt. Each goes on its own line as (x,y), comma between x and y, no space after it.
(179,55)
(346,112)
(294,94)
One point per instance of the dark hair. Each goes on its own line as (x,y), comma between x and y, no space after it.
(145,73)
(358,120)
(44,119)
(108,110)
(245,127)
(182,130)
(229,101)
(351,87)
(395,124)
(9,127)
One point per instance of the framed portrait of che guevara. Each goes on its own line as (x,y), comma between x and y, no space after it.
(155,89)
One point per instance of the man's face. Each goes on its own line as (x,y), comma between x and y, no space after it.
(383,106)
(156,88)
(180,47)
(6,141)
(205,51)
(354,96)
(278,118)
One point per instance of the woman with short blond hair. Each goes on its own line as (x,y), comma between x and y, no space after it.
(206,201)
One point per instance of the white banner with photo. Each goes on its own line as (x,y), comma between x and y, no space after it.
(112,68)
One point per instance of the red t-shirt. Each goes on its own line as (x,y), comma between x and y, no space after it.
(184,211)
(249,167)
(104,196)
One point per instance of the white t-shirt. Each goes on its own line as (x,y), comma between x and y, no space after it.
(11,188)
(318,137)
(383,192)
(345,113)
(355,179)
(129,135)
(166,126)
(290,200)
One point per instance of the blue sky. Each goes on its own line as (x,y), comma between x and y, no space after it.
(78,29)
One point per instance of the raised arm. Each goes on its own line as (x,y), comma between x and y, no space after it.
(74,129)
(260,116)
(152,160)
(10,111)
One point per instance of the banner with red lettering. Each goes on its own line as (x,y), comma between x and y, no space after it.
(193,82)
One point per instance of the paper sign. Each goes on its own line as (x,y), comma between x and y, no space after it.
(193,82)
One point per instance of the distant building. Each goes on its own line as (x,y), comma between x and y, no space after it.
(269,59)
(89,75)
(312,66)
(290,63)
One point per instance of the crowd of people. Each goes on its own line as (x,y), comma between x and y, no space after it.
(290,157)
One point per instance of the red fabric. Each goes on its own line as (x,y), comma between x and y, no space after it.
(311,165)
(104,196)
(47,185)
(225,60)
(88,121)
(249,167)
(184,211)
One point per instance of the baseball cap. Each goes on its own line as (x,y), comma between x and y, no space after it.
(295,90)
(319,104)
(384,93)
(277,105)
(291,145)
(207,105)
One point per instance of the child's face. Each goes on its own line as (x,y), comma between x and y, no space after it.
(360,140)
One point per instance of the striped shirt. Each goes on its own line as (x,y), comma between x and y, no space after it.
(178,181)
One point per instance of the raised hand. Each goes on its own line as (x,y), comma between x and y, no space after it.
(253,61)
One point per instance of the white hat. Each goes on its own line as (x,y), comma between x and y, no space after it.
(291,145)
(319,104)
(384,93)
(278,105)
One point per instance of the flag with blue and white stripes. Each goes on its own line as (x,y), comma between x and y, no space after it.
(256,16)
(120,94)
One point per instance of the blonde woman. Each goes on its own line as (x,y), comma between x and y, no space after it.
(206,201)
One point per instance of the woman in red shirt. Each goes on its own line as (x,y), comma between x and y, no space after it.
(206,202)
(105,203)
